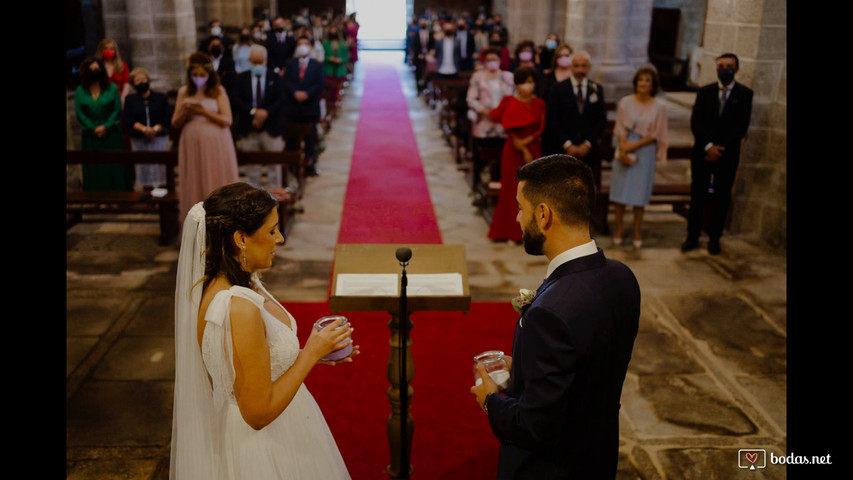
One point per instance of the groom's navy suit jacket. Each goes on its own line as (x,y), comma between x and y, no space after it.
(559,417)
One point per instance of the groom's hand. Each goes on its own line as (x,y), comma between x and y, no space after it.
(487,386)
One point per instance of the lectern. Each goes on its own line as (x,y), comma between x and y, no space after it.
(370,267)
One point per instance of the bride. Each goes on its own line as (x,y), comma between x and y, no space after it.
(241,410)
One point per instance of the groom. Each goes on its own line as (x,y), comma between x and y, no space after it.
(559,416)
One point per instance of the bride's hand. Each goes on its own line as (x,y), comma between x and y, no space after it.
(355,351)
(323,342)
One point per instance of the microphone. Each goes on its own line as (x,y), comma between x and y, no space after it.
(403,255)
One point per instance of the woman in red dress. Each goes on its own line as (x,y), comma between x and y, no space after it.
(117,71)
(522,116)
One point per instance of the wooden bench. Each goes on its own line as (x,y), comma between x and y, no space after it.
(675,193)
(108,202)
(166,207)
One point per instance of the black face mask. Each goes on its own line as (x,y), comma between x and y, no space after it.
(142,87)
(726,75)
(216,51)
(279,29)
(90,76)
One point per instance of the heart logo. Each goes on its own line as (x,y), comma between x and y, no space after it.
(752,457)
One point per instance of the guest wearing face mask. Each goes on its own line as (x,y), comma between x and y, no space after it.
(466,46)
(560,69)
(258,99)
(488,86)
(280,45)
(240,52)
(335,65)
(215,31)
(448,57)
(148,116)
(116,68)
(98,108)
(525,57)
(522,115)
(207,158)
(495,40)
(545,53)
(304,82)
(222,63)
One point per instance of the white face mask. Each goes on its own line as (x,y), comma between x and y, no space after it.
(216,31)
(303,50)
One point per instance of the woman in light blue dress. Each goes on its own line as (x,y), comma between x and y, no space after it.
(641,130)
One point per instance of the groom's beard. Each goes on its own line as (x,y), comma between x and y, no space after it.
(533,238)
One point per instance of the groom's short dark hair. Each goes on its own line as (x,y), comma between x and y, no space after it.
(564,183)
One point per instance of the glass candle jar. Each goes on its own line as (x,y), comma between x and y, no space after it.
(496,367)
(342,352)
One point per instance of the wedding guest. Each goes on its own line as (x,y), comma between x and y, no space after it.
(215,31)
(467,45)
(351,28)
(241,408)
(719,122)
(576,116)
(448,57)
(481,38)
(525,57)
(222,63)
(545,53)
(559,416)
(560,69)
(495,40)
(641,131)
(258,98)
(97,104)
(148,116)
(116,68)
(488,86)
(522,116)
(240,51)
(280,44)
(335,64)
(304,82)
(207,158)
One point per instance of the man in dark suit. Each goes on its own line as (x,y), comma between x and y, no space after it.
(574,123)
(466,45)
(257,102)
(448,57)
(223,64)
(304,82)
(280,45)
(719,122)
(421,46)
(215,29)
(558,418)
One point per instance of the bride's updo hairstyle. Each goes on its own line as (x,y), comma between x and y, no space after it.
(228,209)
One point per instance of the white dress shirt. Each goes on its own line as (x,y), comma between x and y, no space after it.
(588,248)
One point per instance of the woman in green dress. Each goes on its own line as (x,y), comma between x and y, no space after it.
(335,64)
(97,102)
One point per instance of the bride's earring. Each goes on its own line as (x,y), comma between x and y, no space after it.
(245,266)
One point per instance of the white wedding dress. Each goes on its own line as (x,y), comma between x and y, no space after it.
(296,445)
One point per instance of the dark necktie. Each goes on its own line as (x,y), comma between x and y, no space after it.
(723,98)
(579,96)
(259,96)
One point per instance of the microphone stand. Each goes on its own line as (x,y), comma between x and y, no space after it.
(403,255)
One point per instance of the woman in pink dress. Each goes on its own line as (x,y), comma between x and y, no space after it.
(351,27)
(207,158)
(523,118)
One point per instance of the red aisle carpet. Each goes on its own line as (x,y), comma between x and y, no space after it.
(387,201)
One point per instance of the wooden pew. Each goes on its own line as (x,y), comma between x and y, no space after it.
(166,207)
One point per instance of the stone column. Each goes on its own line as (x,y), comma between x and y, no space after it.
(533,20)
(755,30)
(162,35)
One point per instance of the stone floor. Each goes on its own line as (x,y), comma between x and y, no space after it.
(707,377)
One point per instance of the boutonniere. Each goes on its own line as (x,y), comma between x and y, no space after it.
(525,297)
(593,97)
